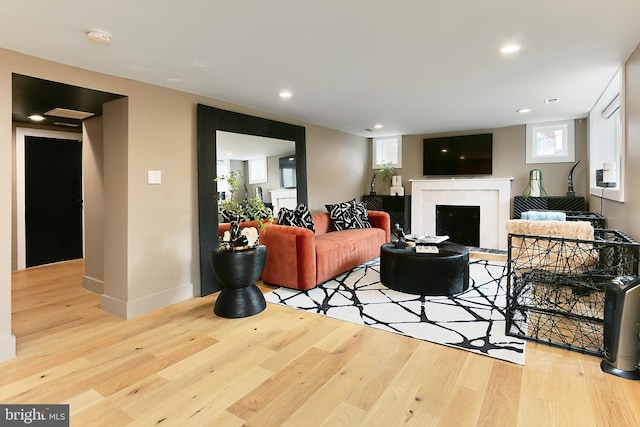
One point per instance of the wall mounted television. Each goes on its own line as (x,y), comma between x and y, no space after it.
(467,155)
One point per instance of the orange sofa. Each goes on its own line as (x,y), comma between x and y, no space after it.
(298,258)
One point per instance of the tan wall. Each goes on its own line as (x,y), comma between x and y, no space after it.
(336,166)
(624,215)
(14,222)
(7,340)
(161,216)
(93,202)
(116,206)
(509,148)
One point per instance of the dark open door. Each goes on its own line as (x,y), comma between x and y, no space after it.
(53,200)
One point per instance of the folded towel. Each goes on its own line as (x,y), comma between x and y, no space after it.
(544,216)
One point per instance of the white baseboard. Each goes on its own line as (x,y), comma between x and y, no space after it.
(137,307)
(7,347)
(93,285)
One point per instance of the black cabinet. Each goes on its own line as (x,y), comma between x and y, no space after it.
(549,203)
(398,208)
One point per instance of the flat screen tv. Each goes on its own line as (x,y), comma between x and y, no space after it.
(458,155)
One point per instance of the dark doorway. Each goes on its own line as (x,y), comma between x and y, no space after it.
(53,200)
(460,223)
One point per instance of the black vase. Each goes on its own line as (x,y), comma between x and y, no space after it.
(238,272)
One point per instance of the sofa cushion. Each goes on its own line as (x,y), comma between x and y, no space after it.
(338,252)
(348,215)
(298,217)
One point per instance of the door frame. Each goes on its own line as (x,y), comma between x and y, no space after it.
(21,134)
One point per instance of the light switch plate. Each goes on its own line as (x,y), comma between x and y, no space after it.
(154,177)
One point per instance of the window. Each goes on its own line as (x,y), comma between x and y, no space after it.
(606,140)
(258,170)
(223,167)
(551,142)
(387,151)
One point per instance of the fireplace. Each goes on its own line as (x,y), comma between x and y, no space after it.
(460,223)
(491,195)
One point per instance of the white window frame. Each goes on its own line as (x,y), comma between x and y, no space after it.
(567,127)
(223,167)
(607,139)
(258,170)
(380,149)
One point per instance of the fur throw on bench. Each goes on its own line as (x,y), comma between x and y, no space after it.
(556,246)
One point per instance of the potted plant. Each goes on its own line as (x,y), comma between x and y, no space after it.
(239,260)
(386,173)
(250,209)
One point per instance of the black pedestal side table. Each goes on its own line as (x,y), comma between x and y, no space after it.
(238,272)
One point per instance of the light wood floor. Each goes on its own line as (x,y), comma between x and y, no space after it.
(183,366)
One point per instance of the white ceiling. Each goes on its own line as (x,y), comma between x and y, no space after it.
(420,66)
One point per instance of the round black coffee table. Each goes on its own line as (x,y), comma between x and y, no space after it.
(442,273)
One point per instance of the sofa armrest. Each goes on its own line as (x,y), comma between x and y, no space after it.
(379,219)
(291,256)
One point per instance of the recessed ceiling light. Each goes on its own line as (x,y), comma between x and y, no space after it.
(36,118)
(378,126)
(510,48)
(285,94)
(99,36)
(523,110)
(552,100)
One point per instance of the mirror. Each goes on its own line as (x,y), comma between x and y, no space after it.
(267,166)
(211,121)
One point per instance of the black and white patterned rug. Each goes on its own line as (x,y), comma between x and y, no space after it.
(473,320)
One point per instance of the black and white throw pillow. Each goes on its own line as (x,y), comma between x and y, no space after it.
(348,215)
(298,217)
(362,215)
(229,216)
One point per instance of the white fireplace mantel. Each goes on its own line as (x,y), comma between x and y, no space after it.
(492,195)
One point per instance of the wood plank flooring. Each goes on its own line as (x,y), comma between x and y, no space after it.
(184,366)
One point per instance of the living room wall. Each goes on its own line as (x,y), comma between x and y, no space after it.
(7,340)
(160,222)
(623,215)
(509,147)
